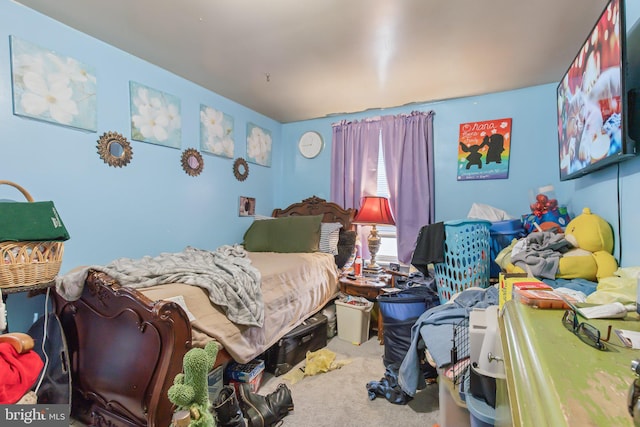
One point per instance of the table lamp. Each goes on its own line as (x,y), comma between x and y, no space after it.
(374,211)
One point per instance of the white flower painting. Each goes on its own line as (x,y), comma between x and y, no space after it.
(216,132)
(258,145)
(155,116)
(51,87)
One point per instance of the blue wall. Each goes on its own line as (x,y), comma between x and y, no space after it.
(149,206)
(529,168)
(152,206)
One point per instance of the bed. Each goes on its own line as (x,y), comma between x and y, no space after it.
(126,345)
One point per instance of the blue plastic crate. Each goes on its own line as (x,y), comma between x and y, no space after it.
(466,257)
(502,234)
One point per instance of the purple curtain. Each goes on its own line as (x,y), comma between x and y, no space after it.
(354,162)
(407,142)
(354,167)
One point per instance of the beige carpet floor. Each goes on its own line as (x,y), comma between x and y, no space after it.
(339,397)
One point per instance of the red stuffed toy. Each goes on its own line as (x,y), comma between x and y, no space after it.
(18,371)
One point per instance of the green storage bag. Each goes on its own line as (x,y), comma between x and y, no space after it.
(30,221)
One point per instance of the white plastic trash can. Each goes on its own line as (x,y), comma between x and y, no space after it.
(353,316)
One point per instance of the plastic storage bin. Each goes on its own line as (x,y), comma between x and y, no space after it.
(453,410)
(353,318)
(501,234)
(480,414)
(466,257)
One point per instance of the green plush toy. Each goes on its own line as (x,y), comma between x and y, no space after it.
(190,388)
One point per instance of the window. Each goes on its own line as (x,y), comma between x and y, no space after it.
(388,251)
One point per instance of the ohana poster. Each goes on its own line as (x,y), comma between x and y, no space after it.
(483,150)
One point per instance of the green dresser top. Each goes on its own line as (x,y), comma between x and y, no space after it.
(555,379)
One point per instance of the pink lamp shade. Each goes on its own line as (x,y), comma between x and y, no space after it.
(374,210)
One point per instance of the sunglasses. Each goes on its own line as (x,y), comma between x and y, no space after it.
(588,333)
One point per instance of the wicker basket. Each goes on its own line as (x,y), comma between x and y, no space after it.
(28,263)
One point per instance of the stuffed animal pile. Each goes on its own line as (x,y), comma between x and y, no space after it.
(590,257)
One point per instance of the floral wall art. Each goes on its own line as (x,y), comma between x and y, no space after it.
(216,132)
(52,87)
(155,116)
(258,145)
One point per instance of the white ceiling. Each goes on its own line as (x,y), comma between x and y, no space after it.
(293,60)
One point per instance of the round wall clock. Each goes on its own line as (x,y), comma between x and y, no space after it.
(310,144)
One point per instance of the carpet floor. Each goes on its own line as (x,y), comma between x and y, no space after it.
(339,397)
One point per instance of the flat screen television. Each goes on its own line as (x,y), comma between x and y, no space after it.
(593,102)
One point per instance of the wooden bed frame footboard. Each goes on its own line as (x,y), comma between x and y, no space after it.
(124,351)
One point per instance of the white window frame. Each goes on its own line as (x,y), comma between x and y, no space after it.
(388,251)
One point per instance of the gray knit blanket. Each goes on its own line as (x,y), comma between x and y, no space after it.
(227,275)
(539,253)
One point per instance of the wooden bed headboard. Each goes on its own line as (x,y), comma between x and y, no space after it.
(314,205)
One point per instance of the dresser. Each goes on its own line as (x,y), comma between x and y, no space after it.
(555,379)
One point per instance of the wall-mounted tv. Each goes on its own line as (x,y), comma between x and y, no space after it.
(592,97)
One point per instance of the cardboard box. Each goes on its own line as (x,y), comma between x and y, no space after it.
(505,286)
(215,381)
(255,383)
(250,373)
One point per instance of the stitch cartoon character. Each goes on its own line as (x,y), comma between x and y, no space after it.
(496,146)
(475,156)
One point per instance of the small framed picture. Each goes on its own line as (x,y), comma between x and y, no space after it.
(247,206)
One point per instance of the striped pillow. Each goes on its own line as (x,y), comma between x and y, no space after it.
(329,235)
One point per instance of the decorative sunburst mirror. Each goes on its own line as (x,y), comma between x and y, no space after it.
(240,169)
(114,149)
(192,162)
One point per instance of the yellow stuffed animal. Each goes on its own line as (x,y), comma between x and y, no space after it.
(591,258)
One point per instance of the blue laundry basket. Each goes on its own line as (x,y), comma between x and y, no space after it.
(400,311)
(467,254)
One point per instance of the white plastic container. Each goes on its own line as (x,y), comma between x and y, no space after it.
(453,411)
(477,331)
(484,341)
(332,323)
(353,321)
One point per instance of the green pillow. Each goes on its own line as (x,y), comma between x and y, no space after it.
(287,234)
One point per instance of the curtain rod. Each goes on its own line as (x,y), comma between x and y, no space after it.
(379,118)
